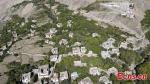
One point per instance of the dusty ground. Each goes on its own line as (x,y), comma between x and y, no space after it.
(5,5)
(3,78)
(6,11)
(27,49)
(75,4)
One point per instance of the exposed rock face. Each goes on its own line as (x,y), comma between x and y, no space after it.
(5,5)
(27,11)
(75,4)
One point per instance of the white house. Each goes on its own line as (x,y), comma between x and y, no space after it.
(49,42)
(32,32)
(83,50)
(132,66)
(69,23)
(76,51)
(124,45)
(59,59)
(44,71)
(26,78)
(59,25)
(9,43)
(63,75)
(53,58)
(1,53)
(51,33)
(94,71)
(4,47)
(54,78)
(33,26)
(105,80)
(86,80)
(77,44)
(63,42)
(95,35)
(109,43)
(54,50)
(48,35)
(112,70)
(90,54)
(79,64)
(115,51)
(34,21)
(14,34)
(79,50)
(71,34)
(105,54)
(74,75)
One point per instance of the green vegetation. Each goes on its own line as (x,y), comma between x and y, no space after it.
(16,24)
(130,57)
(148,35)
(146,23)
(83,29)
(145,69)
(16,70)
(67,64)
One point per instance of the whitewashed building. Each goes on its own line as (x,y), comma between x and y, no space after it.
(63,42)
(76,50)
(109,43)
(71,34)
(63,75)
(69,23)
(44,71)
(53,58)
(105,80)
(112,70)
(83,50)
(74,75)
(79,64)
(91,54)
(1,53)
(94,71)
(105,54)
(59,25)
(86,80)
(95,35)
(54,78)
(26,78)
(51,33)
(54,50)
(49,42)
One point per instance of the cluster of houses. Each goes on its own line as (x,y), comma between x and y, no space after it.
(81,51)
(51,33)
(49,36)
(110,48)
(95,71)
(46,71)
(43,71)
(4,48)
